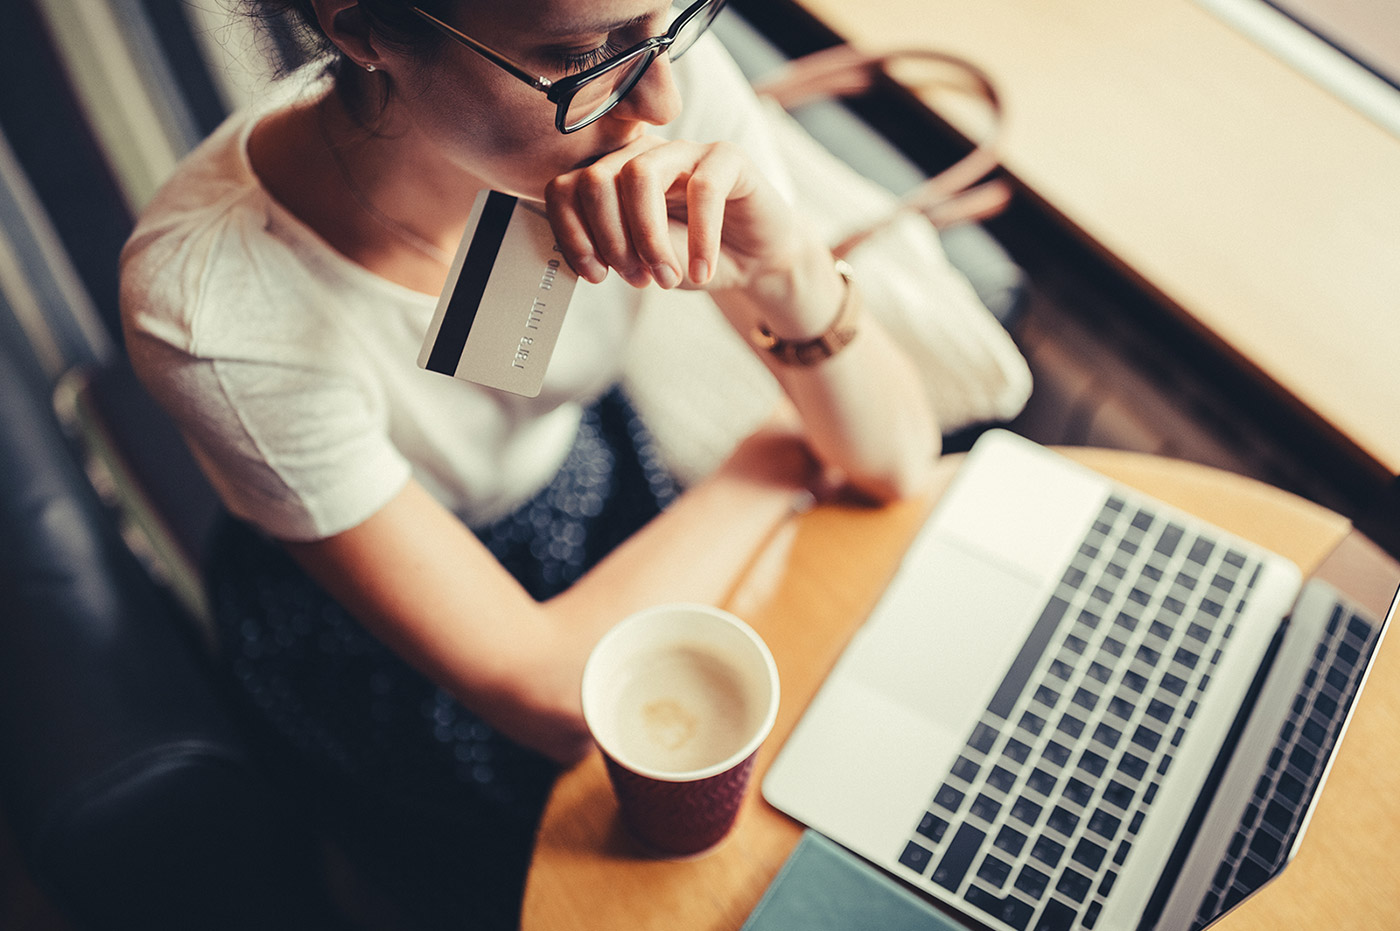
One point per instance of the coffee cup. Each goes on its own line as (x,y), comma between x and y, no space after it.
(679,697)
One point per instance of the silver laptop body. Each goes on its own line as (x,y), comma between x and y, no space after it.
(1077,707)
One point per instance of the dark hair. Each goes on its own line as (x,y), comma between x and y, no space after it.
(297,39)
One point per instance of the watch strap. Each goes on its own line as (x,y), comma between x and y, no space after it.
(814,350)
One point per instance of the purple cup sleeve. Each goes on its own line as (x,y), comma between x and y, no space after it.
(680,818)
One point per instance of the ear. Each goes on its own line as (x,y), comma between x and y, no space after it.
(344,23)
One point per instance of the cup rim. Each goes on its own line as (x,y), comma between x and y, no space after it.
(738,756)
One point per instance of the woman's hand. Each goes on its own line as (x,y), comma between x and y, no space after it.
(653,204)
(678,213)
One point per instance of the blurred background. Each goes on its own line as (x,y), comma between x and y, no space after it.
(130,794)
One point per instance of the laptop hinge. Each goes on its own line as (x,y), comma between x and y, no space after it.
(1171,871)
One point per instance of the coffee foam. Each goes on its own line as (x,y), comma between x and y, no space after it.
(682,709)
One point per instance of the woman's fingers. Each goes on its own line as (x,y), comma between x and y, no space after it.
(642,186)
(620,211)
(583,208)
(586,209)
(683,180)
(572,235)
(714,181)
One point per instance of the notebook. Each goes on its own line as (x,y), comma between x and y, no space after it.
(823,887)
(1077,707)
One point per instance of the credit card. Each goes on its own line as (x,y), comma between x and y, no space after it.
(499,315)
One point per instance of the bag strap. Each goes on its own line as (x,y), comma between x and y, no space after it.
(957,194)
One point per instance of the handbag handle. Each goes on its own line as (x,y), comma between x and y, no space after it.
(958,193)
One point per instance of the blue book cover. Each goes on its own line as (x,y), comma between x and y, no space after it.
(824,887)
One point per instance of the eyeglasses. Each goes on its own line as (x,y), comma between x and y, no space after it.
(581,98)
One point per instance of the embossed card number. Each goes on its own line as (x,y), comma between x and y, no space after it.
(499,316)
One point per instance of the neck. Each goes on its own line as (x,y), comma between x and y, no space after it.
(398,180)
(404,179)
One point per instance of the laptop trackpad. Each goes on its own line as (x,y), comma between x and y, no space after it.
(954,629)
(898,707)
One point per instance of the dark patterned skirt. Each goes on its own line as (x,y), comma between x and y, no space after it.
(426,799)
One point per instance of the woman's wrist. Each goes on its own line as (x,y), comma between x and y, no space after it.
(838,334)
(799,300)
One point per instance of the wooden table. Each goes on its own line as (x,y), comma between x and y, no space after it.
(810,589)
(1248,198)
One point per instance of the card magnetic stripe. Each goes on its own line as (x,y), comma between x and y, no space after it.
(471,283)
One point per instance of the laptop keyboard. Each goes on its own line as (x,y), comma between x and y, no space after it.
(1273,818)
(1040,810)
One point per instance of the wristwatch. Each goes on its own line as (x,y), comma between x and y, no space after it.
(819,348)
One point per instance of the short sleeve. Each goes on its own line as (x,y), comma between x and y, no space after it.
(300,453)
(273,399)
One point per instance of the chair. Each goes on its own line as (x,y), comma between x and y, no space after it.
(131,791)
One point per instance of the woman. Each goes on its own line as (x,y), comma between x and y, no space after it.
(275,295)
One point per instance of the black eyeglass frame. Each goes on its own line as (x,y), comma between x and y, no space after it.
(561,92)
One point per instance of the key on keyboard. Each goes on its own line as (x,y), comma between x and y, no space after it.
(1271,822)
(1039,811)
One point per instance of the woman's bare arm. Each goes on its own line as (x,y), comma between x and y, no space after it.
(418,579)
(864,410)
(641,208)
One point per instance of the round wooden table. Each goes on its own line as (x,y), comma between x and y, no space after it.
(818,580)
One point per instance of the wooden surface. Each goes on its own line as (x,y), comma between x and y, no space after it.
(810,590)
(1347,872)
(1257,203)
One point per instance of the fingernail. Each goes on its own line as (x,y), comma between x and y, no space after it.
(665,275)
(636,276)
(699,271)
(591,269)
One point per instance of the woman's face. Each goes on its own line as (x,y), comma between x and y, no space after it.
(501,130)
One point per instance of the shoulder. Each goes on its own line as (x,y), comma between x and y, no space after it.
(205,241)
(201,228)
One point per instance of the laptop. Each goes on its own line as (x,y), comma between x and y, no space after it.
(1078,707)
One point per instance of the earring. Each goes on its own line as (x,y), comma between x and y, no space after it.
(369,68)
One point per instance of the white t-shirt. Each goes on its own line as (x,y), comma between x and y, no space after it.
(291,370)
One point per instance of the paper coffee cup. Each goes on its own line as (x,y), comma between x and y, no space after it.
(679,698)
